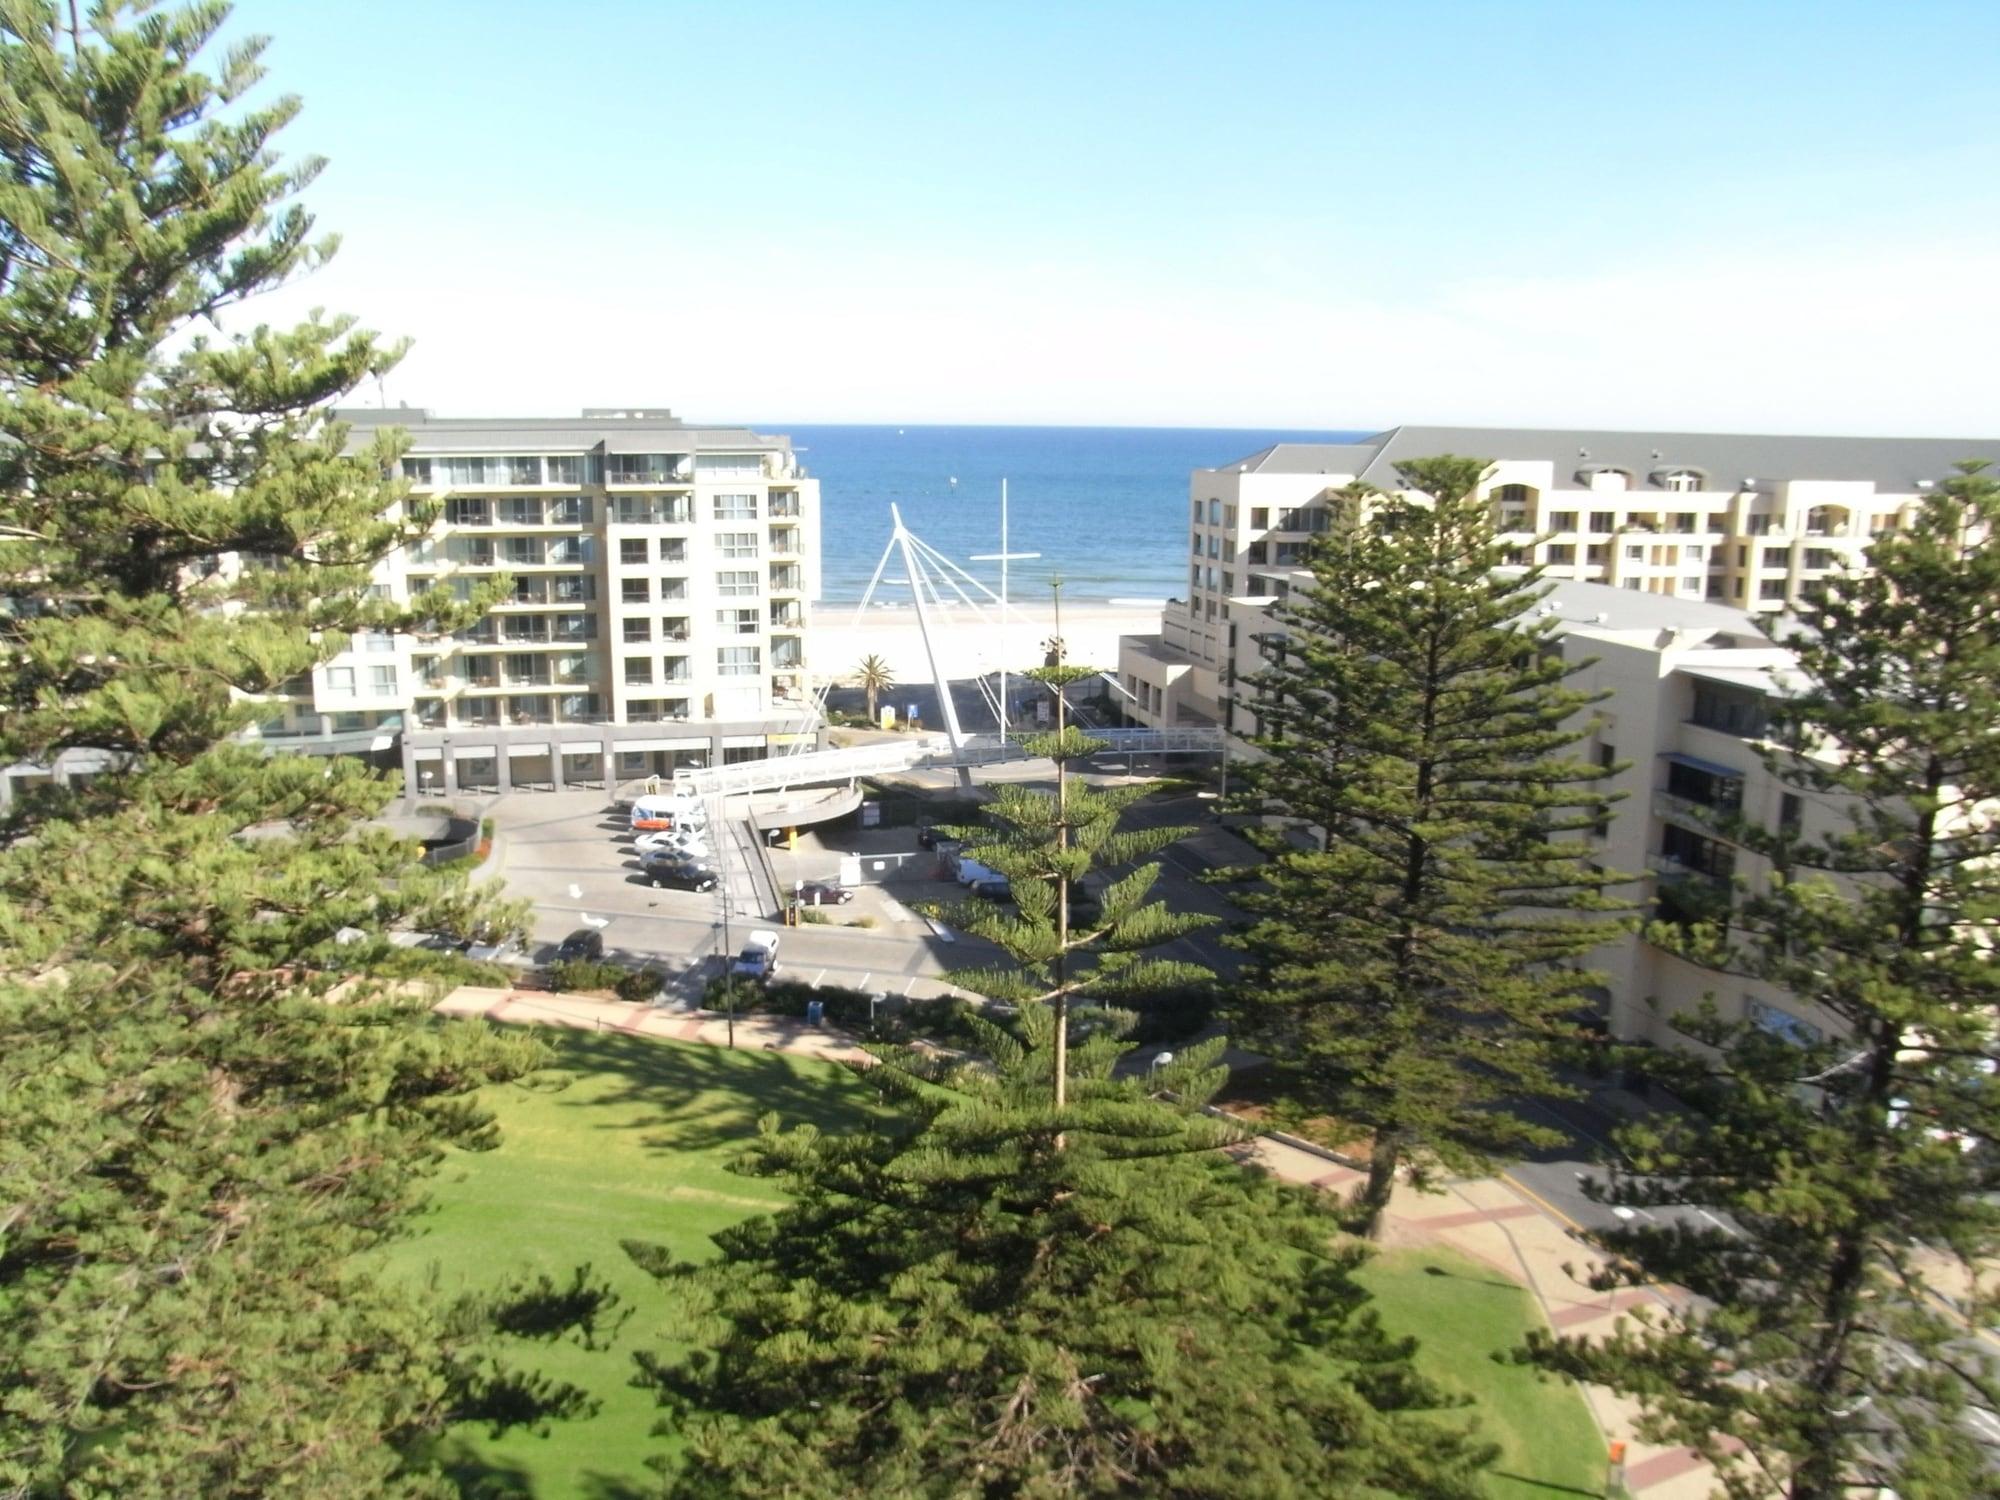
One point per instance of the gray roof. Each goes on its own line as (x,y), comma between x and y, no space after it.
(616,430)
(1725,459)
(1579,603)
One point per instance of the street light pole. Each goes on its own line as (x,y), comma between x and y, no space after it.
(1003,557)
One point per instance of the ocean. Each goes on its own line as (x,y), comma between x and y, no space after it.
(1104,506)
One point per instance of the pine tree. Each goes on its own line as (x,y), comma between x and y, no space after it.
(993,1294)
(1045,842)
(1850,1169)
(1414,969)
(213,1103)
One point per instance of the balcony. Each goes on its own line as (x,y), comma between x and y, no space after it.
(787,579)
(1687,809)
(787,617)
(1675,871)
(785,504)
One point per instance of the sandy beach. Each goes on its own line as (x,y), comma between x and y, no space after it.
(969,646)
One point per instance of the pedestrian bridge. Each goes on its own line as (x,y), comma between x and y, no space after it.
(918,752)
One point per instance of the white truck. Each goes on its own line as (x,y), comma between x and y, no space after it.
(759,958)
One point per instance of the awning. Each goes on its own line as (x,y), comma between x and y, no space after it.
(683,743)
(471,752)
(743,742)
(426,752)
(1696,763)
(583,747)
(527,750)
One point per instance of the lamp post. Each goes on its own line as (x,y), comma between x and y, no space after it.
(1003,557)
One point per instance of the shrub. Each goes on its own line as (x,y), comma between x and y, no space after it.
(863,921)
(639,985)
(813,916)
(939,1020)
(486,828)
(585,974)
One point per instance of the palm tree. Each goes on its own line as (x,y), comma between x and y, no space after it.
(876,679)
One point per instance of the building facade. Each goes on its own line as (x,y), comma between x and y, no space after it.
(1740,520)
(662,577)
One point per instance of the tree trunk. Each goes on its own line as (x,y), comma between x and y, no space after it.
(1372,1200)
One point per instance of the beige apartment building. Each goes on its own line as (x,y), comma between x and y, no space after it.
(1741,520)
(662,573)
(1666,553)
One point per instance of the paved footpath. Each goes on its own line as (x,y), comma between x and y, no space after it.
(1490,1219)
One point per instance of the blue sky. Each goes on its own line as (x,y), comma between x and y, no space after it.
(1736,216)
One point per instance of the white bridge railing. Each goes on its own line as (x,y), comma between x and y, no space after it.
(815,766)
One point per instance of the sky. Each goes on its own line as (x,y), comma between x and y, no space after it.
(1747,216)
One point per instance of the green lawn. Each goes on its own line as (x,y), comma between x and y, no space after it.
(1462,1312)
(635,1148)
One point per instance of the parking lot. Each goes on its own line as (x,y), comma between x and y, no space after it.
(570,855)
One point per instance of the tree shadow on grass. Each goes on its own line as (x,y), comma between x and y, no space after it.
(695,1097)
(1501,1282)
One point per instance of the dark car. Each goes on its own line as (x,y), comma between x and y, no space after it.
(680,875)
(818,893)
(584,943)
(929,836)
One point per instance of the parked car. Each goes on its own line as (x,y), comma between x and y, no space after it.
(691,841)
(759,958)
(584,943)
(680,876)
(660,810)
(818,893)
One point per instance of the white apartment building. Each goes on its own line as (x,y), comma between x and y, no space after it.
(1741,520)
(662,573)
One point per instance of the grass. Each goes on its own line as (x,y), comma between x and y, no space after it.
(636,1146)
(1463,1313)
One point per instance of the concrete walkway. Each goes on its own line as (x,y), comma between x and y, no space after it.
(1492,1220)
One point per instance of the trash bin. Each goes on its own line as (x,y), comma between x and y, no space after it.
(815,1010)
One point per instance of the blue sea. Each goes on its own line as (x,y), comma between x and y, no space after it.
(1105,506)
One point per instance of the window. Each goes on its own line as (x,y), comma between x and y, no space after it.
(572,590)
(1214,545)
(730,465)
(1228,582)
(1781,1024)
(467,513)
(1694,554)
(571,510)
(1260,518)
(734,585)
(522,549)
(574,550)
(566,469)
(638,629)
(1215,512)
(1607,760)
(635,590)
(340,682)
(1515,557)
(1597,553)
(1604,520)
(1562,520)
(1197,513)
(526,511)
(376,641)
(673,549)
(632,550)
(1691,588)
(638,669)
(1194,544)
(735,507)
(1194,577)
(1791,812)
(1776,557)
(417,470)
(1717,523)
(1512,494)
(738,661)
(1229,516)
(1819,557)
(1681,481)
(1635,554)
(738,621)
(1562,554)
(737,544)
(1513,520)
(382,680)
(576,627)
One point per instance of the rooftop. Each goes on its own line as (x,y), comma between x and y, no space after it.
(616,429)
(1729,462)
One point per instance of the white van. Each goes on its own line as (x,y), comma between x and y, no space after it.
(659,812)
